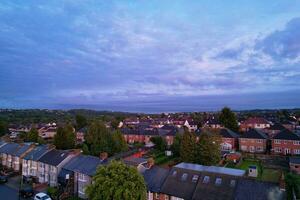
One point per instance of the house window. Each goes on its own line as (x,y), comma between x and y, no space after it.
(206,179)
(296,142)
(297,151)
(166,197)
(277,141)
(156,196)
(278,150)
(174,173)
(195,178)
(232,183)
(218,181)
(259,141)
(81,177)
(184,177)
(259,149)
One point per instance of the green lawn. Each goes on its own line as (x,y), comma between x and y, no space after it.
(271,175)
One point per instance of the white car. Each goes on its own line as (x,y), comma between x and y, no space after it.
(41,196)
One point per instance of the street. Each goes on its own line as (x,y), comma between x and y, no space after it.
(7,193)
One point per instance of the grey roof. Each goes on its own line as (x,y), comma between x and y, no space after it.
(254,190)
(54,157)
(211,169)
(286,135)
(177,186)
(134,161)
(155,177)
(2,143)
(37,152)
(295,160)
(22,149)
(83,164)
(225,132)
(9,148)
(254,134)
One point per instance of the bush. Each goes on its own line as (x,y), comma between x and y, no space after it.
(53,192)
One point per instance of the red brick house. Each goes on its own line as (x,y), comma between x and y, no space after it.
(229,140)
(286,143)
(253,141)
(254,123)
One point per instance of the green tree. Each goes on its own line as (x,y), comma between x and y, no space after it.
(33,135)
(159,142)
(228,119)
(65,137)
(99,139)
(81,121)
(175,147)
(208,148)
(188,147)
(115,123)
(3,128)
(119,143)
(117,181)
(292,184)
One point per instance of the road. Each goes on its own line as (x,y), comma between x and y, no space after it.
(8,193)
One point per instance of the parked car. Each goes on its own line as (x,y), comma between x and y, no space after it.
(41,196)
(26,192)
(3,179)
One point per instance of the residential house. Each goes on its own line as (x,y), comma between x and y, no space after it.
(191,125)
(154,177)
(47,132)
(295,164)
(229,140)
(6,152)
(50,165)
(286,143)
(274,129)
(18,156)
(79,172)
(30,161)
(254,123)
(213,123)
(253,141)
(80,134)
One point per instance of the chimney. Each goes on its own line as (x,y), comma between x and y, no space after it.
(282,182)
(103,156)
(150,163)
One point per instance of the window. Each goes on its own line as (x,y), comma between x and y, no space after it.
(277,141)
(156,196)
(296,142)
(259,149)
(277,150)
(184,177)
(259,141)
(218,181)
(297,151)
(195,178)
(206,179)
(174,173)
(166,197)
(232,183)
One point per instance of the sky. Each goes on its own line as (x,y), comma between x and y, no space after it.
(150,55)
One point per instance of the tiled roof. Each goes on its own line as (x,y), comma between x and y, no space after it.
(255,120)
(83,164)
(286,135)
(226,133)
(9,148)
(37,152)
(155,177)
(254,134)
(54,157)
(22,149)
(295,160)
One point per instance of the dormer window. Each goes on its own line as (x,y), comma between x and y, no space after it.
(195,178)
(174,173)
(218,181)
(206,179)
(232,183)
(184,177)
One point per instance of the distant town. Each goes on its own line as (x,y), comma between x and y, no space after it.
(227,154)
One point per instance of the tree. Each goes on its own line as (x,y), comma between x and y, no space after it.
(175,147)
(228,119)
(3,128)
(292,183)
(119,143)
(159,142)
(33,135)
(208,148)
(65,137)
(115,123)
(188,147)
(117,181)
(81,121)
